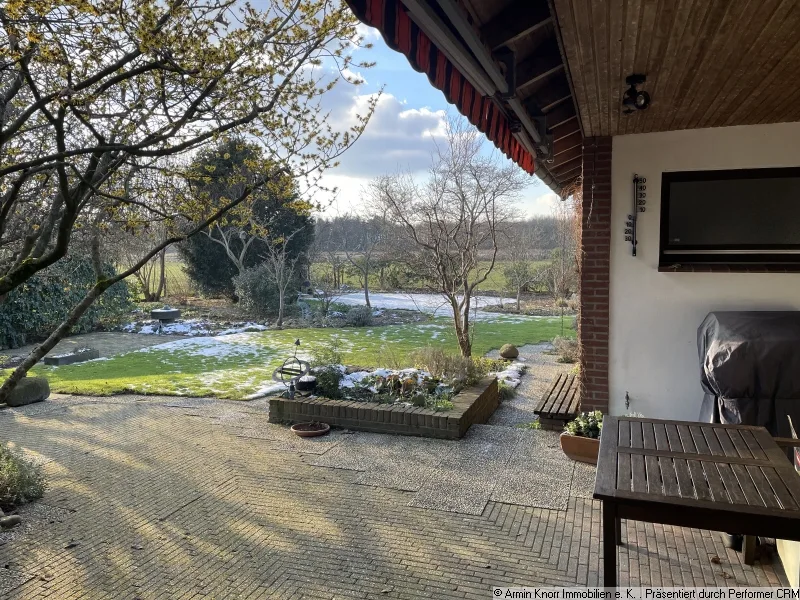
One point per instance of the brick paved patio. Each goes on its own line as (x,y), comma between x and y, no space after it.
(167,498)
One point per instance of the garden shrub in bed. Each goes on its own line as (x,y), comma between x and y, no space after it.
(21,480)
(329,380)
(412,387)
(460,369)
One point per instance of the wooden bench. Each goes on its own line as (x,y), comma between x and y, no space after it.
(560,404)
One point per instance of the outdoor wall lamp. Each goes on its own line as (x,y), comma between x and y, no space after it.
(634,99)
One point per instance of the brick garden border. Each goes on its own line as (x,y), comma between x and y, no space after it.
(472,405)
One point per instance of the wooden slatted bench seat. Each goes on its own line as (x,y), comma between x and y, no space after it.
(560,404)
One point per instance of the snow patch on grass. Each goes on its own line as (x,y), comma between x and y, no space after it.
(191,327)
(512,374)
(238,344)
(432,304)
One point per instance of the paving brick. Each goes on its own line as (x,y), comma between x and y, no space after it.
(167,503)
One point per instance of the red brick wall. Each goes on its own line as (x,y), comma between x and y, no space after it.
(594,263)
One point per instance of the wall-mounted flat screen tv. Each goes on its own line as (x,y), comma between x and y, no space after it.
(746,215)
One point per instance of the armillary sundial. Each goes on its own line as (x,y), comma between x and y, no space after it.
(291,371)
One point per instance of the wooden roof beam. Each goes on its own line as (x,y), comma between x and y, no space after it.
(566,156)
(516,20)
(564,130)
(545,61)
(552,94)
(561,170)
(559,115)
(567,143)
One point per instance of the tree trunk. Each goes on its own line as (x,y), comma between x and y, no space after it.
(42,349)
(519,289)
(382,282)
(280,306)
(162,274)
(464,341)
(461,323)
(366,286)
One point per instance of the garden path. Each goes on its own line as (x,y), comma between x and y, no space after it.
(543,368)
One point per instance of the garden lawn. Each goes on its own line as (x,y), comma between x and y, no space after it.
(240,365)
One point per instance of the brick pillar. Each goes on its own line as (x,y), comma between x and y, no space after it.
(595,252)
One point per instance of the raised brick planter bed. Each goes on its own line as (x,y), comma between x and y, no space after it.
(472,405)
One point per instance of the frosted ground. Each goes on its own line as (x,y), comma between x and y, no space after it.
(430,304)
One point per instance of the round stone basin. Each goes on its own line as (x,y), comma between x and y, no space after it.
(165,315)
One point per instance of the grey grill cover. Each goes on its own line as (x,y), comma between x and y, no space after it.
(750,368)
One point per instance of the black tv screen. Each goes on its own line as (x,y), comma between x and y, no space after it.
(731,213)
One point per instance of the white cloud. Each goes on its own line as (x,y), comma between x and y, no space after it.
(537,200)
(354,76)
(368,33)
(398,137)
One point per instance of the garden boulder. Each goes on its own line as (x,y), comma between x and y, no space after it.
(509,351)
(28,391)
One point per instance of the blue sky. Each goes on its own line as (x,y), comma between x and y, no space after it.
(399,137)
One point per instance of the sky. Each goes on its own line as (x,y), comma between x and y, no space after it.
(399,136)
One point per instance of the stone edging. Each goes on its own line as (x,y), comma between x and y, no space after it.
(472,405)
(71,358)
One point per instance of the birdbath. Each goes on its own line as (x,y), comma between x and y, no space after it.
(165,315)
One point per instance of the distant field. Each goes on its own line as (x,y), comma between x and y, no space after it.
(178,283)
(177,280)
(496,282)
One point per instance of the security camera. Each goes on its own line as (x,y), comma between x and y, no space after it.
(634,99)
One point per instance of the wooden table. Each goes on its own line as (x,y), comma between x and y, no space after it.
(708,476)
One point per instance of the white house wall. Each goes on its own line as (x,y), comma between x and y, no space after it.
(654,316)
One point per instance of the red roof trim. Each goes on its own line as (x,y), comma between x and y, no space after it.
(403,35)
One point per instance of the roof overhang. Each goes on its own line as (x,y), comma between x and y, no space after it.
(708,63)
(501,65)
(536,76)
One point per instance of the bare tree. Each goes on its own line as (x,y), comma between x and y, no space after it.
(325,282)
(125,248)
(235,241)
(281,265)
(152,277)
(327,292)
(454,217)
(563,267)
(519,271)
(362,249)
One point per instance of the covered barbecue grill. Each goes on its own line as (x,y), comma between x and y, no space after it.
(750,368)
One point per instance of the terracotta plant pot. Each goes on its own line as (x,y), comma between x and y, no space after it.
(580,448)
(310,429)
